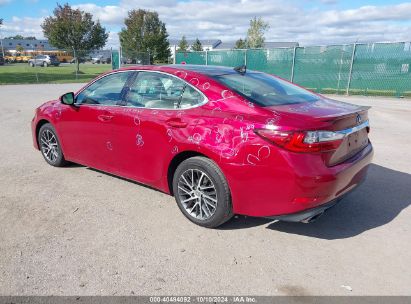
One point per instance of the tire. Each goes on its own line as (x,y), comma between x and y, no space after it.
(32,64)
(45,137)
(45,64)
(215,192)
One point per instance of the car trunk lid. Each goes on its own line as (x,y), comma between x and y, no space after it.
(330,115)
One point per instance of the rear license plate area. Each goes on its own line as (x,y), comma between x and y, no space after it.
(357,140)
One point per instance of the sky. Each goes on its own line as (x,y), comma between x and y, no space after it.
(309,22)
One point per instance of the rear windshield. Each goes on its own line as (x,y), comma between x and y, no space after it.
(265,90)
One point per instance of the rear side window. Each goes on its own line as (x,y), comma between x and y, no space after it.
(161,91)
(265,90)
(190,98)
(155,90)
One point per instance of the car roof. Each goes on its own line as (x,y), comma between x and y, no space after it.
(209,70)
(190,69)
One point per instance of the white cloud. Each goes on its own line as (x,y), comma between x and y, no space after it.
(4,2)
(228,20)
(24,26)
(109,14)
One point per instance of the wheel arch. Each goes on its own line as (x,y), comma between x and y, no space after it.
(176,161)
(40,123)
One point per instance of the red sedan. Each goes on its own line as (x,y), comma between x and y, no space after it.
(223,141)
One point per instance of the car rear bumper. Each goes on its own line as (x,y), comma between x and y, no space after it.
(298,185)
(308,215)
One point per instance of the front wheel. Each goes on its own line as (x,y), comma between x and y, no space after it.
(45,64)
(202,192)
(50,146)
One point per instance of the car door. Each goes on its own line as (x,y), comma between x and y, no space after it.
(86,128)
(153,123)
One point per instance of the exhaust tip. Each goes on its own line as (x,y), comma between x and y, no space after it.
(312,218)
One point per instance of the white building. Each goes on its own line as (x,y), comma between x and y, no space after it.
(27,45)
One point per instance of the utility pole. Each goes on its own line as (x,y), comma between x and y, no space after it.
(293,64)
(351,66)
(2,48)
(1,40)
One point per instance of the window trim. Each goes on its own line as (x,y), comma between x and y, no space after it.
(205,101)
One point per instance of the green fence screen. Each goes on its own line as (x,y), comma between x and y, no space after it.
(365,69)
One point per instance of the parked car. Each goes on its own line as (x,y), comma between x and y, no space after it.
(223,141)
(100,59)
(132,61)
(2,61)
(81,60)
(44,60)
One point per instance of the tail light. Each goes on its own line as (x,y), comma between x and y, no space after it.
(303,141)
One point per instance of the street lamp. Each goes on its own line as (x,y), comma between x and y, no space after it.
(1,43)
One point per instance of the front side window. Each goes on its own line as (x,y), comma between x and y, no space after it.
(265,90)
(105,91)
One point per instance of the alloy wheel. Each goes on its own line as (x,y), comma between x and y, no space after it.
(49,146)
(197,194)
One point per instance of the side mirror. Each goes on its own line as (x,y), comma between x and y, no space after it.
(67,99)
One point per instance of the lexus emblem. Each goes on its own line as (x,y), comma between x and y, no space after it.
(358,119)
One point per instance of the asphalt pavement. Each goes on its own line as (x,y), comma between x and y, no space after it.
(77,231)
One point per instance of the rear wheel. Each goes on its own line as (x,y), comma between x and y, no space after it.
(50,146)
(202,192)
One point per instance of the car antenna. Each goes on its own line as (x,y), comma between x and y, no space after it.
(242,69)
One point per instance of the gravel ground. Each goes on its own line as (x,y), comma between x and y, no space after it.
(76,231)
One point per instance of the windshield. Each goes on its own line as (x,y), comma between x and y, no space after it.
(265,90)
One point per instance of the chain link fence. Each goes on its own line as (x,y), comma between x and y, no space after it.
(129,58)
(53,66)
(380,69)
(62,66)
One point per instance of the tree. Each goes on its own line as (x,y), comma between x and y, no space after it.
(145,32)
(255,34)
(74,29)
(19,49)
(183,44)
(197,46)
(19,37)
(241,44)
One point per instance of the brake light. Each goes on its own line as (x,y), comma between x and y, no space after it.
(303,141)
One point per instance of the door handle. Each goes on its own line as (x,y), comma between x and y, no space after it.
(176,123)
(104,117)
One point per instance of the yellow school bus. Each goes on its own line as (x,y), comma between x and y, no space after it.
(17,57)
